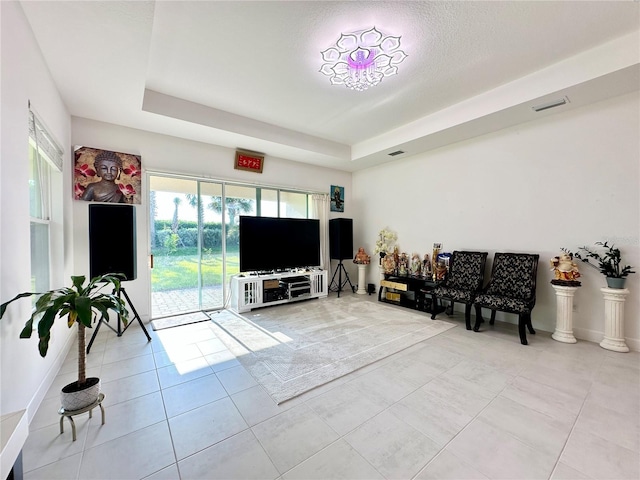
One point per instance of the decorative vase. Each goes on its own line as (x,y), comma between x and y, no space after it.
(75,398)
(615,282)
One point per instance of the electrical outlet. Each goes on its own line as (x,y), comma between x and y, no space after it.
(575,307)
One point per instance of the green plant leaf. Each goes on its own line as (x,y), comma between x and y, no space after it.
(102,309)
(46,322)
(4,306)
(27,330)
(83,307)
(78,281)
(43,345)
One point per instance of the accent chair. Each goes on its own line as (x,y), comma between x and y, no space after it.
(511,289)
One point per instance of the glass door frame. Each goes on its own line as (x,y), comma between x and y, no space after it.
(224,184)
(197,181)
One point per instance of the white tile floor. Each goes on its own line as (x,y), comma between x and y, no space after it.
(460,405)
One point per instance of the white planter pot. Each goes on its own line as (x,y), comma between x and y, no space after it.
(74,399)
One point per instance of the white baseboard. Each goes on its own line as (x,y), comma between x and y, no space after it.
(38,397)
(580,333)
(596,337)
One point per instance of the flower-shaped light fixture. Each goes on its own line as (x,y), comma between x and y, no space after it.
(361,60)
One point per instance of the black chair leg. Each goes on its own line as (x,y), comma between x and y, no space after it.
(522,321)
(449,309)
(434,307)
(467,315)
(493,317)
(529,326)
(476,327)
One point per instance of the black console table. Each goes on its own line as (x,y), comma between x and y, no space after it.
(408,291)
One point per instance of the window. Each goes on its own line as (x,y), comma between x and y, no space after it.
(45,159)
(294,204)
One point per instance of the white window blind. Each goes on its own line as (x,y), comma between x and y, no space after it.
(45,145)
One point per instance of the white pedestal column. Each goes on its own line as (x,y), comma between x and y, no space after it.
(564,314)
(614,299)
(362,279)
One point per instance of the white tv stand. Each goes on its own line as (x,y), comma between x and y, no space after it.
(257,290)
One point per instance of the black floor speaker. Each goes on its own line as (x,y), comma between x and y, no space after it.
(341,238)
(112,240)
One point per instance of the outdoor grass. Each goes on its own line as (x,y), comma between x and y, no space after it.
(175,272)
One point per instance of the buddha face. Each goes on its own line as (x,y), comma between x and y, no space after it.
(108,170)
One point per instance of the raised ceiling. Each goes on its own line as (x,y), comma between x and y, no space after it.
(246,74)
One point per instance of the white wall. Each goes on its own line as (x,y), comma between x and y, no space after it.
(25,376)
(161,153)
(564,181)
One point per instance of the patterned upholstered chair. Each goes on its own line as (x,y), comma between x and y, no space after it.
(511,289)
(462,283)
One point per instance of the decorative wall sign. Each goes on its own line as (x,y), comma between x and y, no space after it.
(252,162)
(106,176)
(337,198)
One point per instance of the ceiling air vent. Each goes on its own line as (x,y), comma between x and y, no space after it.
(397,152)
(552,104)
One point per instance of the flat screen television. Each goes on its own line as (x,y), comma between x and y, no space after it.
(268,243)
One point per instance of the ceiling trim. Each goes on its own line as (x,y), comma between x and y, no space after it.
(173,107)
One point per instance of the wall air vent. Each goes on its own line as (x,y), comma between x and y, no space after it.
(552,104)
(397,152)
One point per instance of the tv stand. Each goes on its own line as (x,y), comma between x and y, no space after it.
(249,292)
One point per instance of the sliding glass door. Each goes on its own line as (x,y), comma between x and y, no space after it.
(238,200)
(186,233)
(194,237)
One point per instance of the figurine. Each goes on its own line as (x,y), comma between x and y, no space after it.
(426,265)
(440,270)
(361,257)
(416,265)
(434,258)
(565,270)
(404,264)
(389,264)
(396,255)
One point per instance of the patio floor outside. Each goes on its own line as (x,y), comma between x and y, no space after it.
(172,302)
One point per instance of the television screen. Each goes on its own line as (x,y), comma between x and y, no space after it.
(268,243)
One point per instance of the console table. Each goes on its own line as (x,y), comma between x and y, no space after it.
(254,291)
(408,291)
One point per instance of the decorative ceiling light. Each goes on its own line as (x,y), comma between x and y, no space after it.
(362,59)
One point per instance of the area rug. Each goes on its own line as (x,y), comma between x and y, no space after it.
(290,349)
(178,320)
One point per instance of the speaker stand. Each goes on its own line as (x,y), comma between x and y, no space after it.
(339,269)
(119,331)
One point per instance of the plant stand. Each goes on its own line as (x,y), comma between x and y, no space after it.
(614,299)
(362,279)
(70,414)
(564,314)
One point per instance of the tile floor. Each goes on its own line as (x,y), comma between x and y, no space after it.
(461,405)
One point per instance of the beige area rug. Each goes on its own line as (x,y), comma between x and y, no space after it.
(291,349)
(178,320)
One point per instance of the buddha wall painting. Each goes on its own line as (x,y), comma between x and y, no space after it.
(106,176)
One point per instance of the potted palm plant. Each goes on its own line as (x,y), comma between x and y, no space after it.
(608,262)
(82,303)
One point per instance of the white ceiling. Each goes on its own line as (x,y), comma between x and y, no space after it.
(246,74)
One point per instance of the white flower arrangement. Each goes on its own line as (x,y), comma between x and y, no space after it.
(385,242)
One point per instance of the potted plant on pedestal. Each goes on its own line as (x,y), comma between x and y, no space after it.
(608,262)
(80,304)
